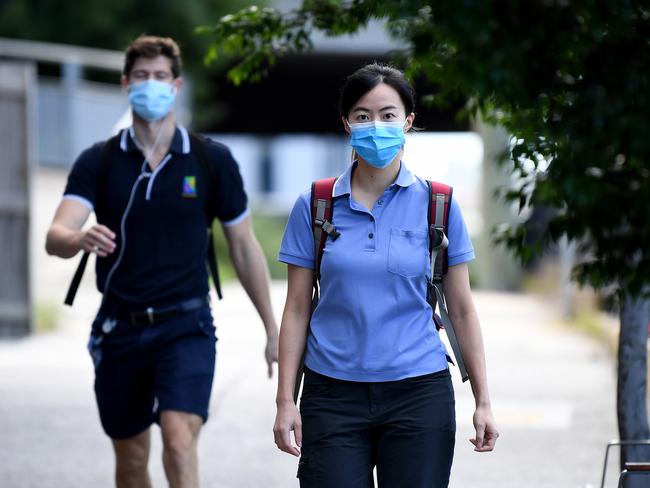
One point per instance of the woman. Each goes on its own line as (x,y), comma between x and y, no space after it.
(377,389)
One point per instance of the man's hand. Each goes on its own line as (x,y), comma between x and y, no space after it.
(65,237)
(486,430)
(98,239)
(271,350)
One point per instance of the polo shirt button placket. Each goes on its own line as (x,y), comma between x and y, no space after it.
(372,230)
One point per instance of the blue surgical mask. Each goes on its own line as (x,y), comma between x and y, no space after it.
(152,99)
(377,142)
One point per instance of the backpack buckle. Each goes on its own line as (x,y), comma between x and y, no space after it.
(438,238)
(328,228)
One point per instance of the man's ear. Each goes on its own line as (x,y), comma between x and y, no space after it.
(124,81)
(178,83)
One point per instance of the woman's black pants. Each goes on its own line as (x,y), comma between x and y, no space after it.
(406,429)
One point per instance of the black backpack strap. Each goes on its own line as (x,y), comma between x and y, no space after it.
(105,161)
(198,142)
(76,279)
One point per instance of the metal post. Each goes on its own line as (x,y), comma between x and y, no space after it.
(17,90)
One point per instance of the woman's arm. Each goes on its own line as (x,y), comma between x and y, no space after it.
(293,337)
(468,330)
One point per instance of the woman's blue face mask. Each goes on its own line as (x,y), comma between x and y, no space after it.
(152,99)
(377,142)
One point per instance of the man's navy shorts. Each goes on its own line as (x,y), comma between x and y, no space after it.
(142,370)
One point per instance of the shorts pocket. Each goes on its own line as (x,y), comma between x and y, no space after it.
(206,323)
(408,252)
(316,384)
(94,348)
(441,375)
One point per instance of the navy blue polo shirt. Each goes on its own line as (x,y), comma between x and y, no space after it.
(160,217)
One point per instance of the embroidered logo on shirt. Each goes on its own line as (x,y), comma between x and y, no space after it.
(189,187)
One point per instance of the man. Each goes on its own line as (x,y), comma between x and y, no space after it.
(155,190)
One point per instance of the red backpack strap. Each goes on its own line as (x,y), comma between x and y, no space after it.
(438,221)
(321,222)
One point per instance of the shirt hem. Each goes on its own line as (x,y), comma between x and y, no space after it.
(295,260)
(375,377)
(236,220)
(460,258)
(78,198)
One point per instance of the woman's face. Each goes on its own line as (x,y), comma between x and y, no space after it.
(382,103)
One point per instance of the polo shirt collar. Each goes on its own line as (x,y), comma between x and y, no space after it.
(180,141)
(343,185)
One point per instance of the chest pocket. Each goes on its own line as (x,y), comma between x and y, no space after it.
(408,252)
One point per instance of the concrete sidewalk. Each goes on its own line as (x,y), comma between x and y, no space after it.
(552,389)
(553,393)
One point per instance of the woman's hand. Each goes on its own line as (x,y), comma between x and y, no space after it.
(286,420)
(486,430)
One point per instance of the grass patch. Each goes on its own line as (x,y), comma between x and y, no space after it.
(46,317)
(268,230)
(589,322)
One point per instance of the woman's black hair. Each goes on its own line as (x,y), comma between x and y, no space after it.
(365,79)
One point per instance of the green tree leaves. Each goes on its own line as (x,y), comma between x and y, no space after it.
(569,80)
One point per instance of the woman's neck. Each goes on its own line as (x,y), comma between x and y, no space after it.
(373,180)
(369,183)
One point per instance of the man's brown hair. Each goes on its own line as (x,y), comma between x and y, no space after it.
(151,47)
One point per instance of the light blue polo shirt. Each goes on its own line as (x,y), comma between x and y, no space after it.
(373,322)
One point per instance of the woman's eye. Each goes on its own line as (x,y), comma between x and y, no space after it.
(362,117)
(389,116)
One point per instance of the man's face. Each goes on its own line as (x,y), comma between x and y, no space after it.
(158,68)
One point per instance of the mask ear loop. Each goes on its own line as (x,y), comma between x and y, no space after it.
(148,154)
(353,154)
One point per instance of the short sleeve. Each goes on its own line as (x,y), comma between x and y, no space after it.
(460,248)
(82,180)
(231,200)
(297,245)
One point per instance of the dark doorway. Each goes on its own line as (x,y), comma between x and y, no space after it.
(300,95)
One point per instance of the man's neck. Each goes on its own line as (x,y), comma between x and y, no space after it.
(154,136)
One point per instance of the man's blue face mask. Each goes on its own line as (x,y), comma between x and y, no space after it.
(152,99)
(377,142)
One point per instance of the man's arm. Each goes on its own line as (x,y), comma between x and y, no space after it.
(253,273)
(65,237)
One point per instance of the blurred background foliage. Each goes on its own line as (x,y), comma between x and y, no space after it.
(569,80)
(114,24)
(268,230)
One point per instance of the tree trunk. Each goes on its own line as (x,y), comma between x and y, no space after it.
(632,383)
